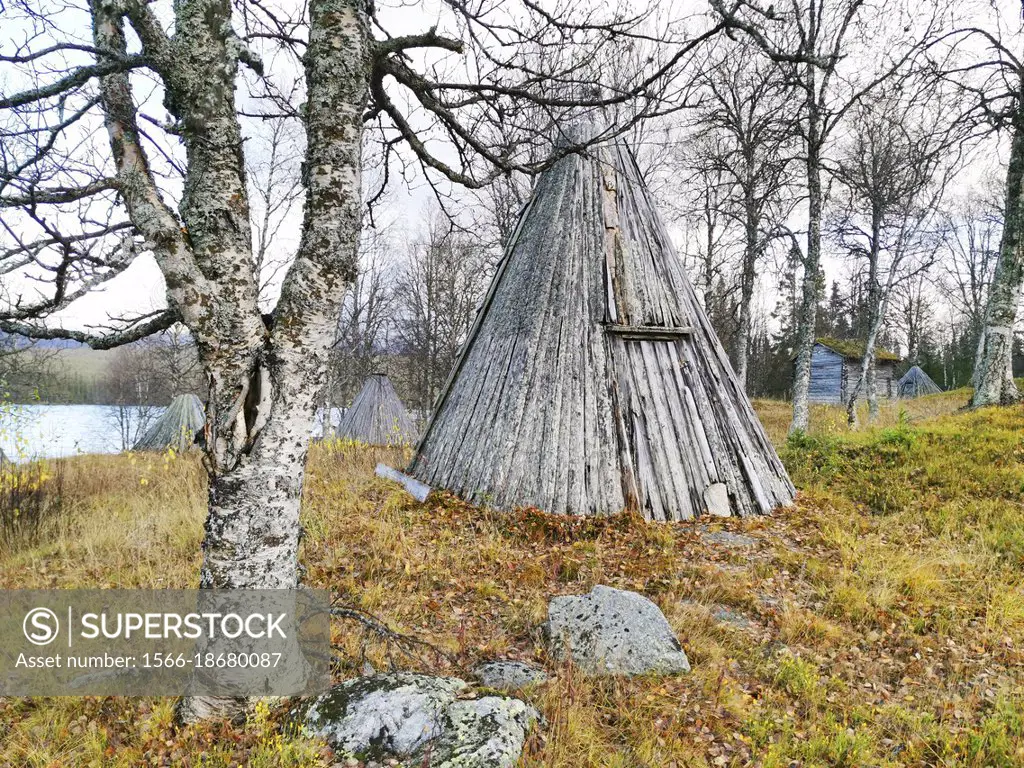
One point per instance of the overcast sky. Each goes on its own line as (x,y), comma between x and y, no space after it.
(140,288)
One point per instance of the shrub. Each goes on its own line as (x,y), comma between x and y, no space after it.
(31,497)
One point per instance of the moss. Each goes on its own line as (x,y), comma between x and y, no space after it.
(855,349)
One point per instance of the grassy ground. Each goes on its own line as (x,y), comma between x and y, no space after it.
(879,622)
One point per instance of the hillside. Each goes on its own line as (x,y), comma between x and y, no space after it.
(878,622)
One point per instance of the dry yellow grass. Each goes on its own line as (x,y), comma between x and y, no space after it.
(885,611)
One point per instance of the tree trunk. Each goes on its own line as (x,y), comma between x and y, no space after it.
(252,532)
(747,278)
(876,304)
(809,300)
(873,410)
(743,340)
(979,353)
(993,376)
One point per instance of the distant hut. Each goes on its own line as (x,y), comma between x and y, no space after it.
(916,383)
(377,416)
(592,380)
(177,426)
(836,367)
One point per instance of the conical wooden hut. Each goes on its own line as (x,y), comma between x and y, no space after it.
(592,380)
(377,416)
(916,383)
(177,426)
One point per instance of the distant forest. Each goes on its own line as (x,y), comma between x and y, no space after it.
(149,372)
(409,313)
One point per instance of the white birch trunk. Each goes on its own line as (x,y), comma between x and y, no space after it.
(747,279)
(807,318)
(993,376)
(264,379)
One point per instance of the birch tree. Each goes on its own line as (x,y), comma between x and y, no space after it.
(168,183)
(971,233)
(745,110)
(893,171)
(814,42)
(1000,98)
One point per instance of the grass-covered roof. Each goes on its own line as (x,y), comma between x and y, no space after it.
(855,349)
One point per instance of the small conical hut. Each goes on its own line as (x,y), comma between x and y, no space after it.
(377,416)
(592,380)
(177,426)
(916,383)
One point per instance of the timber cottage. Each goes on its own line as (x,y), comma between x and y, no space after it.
(835,370)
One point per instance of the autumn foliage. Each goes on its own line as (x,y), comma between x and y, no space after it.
(879,622)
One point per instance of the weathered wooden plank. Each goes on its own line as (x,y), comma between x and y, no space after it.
(377,416)
(648,332)
(592,379)
(414,487)
(177,426)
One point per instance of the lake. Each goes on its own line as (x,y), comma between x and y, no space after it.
(52,431)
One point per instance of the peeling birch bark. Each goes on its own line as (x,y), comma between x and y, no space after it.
(264,379)
(993,377)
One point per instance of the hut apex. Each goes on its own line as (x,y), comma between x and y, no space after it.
(377,416)
(177,426)
(592,381)
(916,383)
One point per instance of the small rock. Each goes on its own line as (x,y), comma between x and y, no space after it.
(418,719)
(508,674)
(611,631)
(727,616)
(729,540)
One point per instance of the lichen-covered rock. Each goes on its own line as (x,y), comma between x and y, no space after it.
(382,715)
(614,632)
(484,733)
(508,674)
(419,719)
(729,616)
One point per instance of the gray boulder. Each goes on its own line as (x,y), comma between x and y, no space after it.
(508,674)
(488,732)
(419,719)
(614,632)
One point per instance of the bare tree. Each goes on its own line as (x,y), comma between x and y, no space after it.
(366,322)
(971,231)
(814,42)
(893,170)
(437,292)
(132,387)
(276,192)
(748,150)
(712,237)
(172,187)
(915,311)
(25,367)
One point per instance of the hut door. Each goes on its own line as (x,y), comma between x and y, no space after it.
(669,469)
